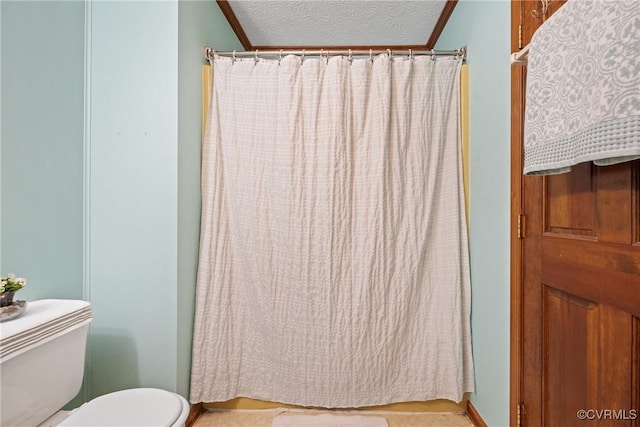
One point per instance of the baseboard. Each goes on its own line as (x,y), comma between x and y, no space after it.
(194,414)
(472,413)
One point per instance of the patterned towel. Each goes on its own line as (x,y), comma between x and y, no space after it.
(583,87)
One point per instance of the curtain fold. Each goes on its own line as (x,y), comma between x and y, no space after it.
(333,263)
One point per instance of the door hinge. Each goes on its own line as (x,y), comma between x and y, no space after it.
(519,413)
(521,224)
(520,36)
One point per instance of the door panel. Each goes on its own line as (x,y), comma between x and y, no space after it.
(570,202)
(616,188)
(569,334)
(576,293)
(588,360)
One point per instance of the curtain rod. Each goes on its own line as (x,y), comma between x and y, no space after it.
(209,53)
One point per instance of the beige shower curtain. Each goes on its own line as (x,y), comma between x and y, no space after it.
(464,121)
(333,266)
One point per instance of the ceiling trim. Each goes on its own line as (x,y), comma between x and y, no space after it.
(442,21)
(228,13)
(231,17)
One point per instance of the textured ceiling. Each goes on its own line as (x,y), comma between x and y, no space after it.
(327,23)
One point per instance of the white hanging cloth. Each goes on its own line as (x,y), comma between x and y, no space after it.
(333,263)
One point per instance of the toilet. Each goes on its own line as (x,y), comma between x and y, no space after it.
(42,364)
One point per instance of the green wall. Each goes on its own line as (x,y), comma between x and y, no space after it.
(41,146)
(484,26)
(132,194)
(100,156)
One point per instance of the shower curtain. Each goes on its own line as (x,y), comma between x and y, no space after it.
(333,264)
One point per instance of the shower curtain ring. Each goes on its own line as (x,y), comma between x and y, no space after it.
(208,53)
(303,53)
(280,57)
(410,54)
(233,59)
(371,55)
(350,57)
(433,55)
(256,58)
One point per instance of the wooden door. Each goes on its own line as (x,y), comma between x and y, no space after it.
(575,281)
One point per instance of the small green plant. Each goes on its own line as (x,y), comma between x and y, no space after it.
(11,283)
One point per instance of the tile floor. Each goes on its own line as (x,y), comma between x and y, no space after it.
(264,417)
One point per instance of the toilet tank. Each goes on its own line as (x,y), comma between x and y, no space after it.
(42,360)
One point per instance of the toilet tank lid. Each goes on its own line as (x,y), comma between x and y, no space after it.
(140,407)
(42,320)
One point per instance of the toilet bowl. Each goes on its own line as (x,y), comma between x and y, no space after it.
(139,407)
(42,364)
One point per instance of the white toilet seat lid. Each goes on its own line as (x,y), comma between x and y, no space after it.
(139,407)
